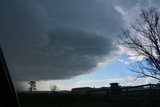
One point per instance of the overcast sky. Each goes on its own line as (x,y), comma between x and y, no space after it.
(61,39)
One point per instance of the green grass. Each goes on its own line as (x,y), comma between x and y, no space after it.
(86,100)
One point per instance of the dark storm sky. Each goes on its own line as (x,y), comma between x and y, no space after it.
(59,39)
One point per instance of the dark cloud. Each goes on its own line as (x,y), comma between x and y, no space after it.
(56,39)
(68,53)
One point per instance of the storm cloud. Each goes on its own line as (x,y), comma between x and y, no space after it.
(53,39)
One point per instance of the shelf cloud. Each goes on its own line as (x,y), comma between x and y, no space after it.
(58,39)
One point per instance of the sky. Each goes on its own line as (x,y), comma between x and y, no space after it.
(69,43)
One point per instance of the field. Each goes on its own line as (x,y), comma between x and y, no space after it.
(87,100)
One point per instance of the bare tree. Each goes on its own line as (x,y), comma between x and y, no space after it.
(143,38)
(32,86)
(53,88)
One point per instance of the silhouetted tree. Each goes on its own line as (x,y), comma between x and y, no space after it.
(32,85)
(143,38)
(53,88)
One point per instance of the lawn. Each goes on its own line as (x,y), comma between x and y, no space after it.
(85,100)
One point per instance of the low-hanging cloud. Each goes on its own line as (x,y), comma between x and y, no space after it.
(55,39)
(67,54)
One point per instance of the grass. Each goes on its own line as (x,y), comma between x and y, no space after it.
(86,100)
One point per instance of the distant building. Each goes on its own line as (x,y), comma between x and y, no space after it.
(114,85)
(102,90)
(81,90)
(116,88)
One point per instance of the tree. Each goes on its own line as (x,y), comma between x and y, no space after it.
(53,88)
(32,85)
(143,38)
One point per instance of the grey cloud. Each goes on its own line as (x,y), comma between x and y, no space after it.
(141,4)
(56,39)
(91,15)
(68,53)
